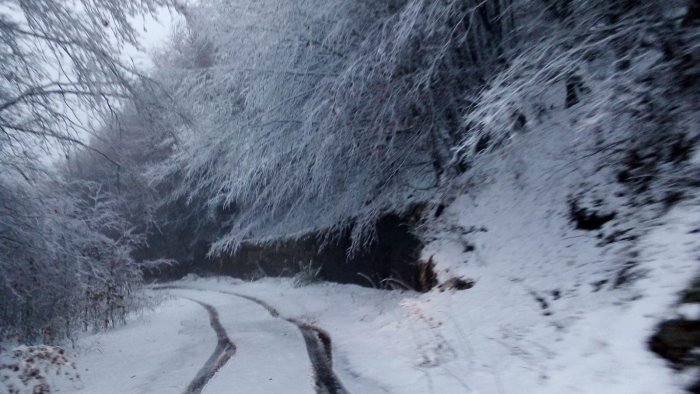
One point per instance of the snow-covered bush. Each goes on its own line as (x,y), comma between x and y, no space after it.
(65,261)
(308,274)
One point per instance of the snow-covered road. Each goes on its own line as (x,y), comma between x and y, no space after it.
(485,340)
(170,351)
(317,341)
(271,356)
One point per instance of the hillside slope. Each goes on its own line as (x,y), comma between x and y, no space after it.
(570,272)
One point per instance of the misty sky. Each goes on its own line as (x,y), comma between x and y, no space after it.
(154,33)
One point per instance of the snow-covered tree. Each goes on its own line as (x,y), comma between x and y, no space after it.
(630,68)
(318,116)
(136,141)
(60,62)
(64,259)
(323,116)
(63,247)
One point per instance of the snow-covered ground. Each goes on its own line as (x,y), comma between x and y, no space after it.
(158,353)
(553,309)
(162,351)
(492,338)
(556,308)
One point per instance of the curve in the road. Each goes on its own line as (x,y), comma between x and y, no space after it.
(317,341)
(225,349)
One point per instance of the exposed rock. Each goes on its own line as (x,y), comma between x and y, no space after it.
(394,255)
(455,283)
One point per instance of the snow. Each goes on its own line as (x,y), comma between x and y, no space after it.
(545,315)
(36,368)
(483,340)
(270,355)
(689,311)
(540,318)
(388,342)
(158,353)
(551,310)
(369,356)
(162,351)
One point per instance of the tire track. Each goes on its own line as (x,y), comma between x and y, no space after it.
(225,349)
(317,341)
(318,346)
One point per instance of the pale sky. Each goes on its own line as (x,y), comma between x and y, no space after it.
(154,33)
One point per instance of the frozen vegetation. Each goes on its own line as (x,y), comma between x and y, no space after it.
(514,183)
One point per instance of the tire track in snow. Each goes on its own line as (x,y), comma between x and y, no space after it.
(316,339)
(225,349)
(318,346)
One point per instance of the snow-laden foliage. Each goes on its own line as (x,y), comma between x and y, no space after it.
(134,141)
(59,63)
(322,116)
(632,66)
(318,115)
(65,258)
